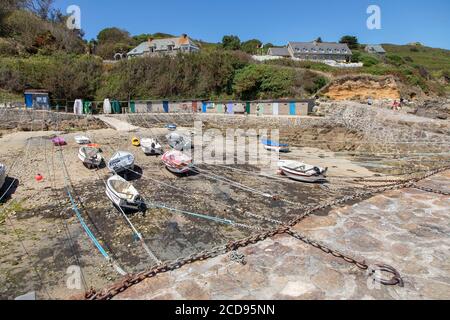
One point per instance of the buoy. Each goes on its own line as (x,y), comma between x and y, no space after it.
(39,177)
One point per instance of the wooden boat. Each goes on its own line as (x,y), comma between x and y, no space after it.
(91,157)
(177,162)
(59,141)
(151,146)
(171,127)
(135,142)
(121,161)
(275,146)
(302,172)
(82,140)
(123,194)
(179,142)
(2,175)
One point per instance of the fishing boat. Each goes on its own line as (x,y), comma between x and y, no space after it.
(121,161)
(177,162)
(179,142)
(82,140)
(302,172)
(135,142)
(91,157)
(275,146)
(59,141)
(123,194)
(151,146)
(171,127)
(2,175)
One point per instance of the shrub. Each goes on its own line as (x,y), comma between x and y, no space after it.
(395,60)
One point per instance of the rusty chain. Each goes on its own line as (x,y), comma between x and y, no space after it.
(431,190)
(396,279)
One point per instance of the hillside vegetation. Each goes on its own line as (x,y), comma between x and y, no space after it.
(38,51)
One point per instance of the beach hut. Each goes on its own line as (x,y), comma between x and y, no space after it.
(37,99)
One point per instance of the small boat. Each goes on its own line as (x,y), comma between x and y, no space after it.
(123,194)
(302,172)
(177,162)
(171,127)
(59,141)
(91,157)
(2,175)
(136,142)
(179,142)
(151,146)
(121,161)
(275,146)
(82,140)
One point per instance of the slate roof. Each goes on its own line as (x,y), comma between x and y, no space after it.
(279,52)
(162,45)
(375,48)
(320,48)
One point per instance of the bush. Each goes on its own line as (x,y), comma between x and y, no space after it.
(260,81)
(369,61)
(395,60)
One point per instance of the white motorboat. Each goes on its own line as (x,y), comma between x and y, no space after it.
(302,172)
(151,146)
(123,194)
(2,175)
(179,142)
(121,161)
(91,157)
(82,140)
(177,162)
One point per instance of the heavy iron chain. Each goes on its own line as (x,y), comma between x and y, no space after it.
(431,190)
(396,279)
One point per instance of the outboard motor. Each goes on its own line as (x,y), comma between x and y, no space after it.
(317,170)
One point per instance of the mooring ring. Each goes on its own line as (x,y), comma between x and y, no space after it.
(396,278)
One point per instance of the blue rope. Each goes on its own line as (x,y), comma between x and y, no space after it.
(197,215)
(86,228)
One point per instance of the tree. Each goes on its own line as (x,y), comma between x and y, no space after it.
(231,42)
(251,46)
(113,35)
(41,8)
(351,41)
(319,40)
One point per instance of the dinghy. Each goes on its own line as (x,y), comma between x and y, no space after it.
(121,161)
(177,162)
(171,127)
(151,146)
(2,175)
(59,141)
(275,146)
(179,142)
(123,194)
(90,157)
(136,142)
(302,172)
(82,140)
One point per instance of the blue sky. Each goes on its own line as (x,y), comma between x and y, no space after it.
(276,21)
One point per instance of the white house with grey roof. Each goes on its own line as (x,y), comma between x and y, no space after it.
(320,51)
(279,52)
(170,46)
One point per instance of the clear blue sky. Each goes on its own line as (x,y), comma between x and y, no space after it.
(276,21)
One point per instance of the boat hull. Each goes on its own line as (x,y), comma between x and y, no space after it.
(2,176)
(136,204)
(304,178)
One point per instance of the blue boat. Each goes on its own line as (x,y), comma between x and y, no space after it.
(275,146)
(171,127)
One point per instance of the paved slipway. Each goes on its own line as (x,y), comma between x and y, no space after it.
(408,229)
